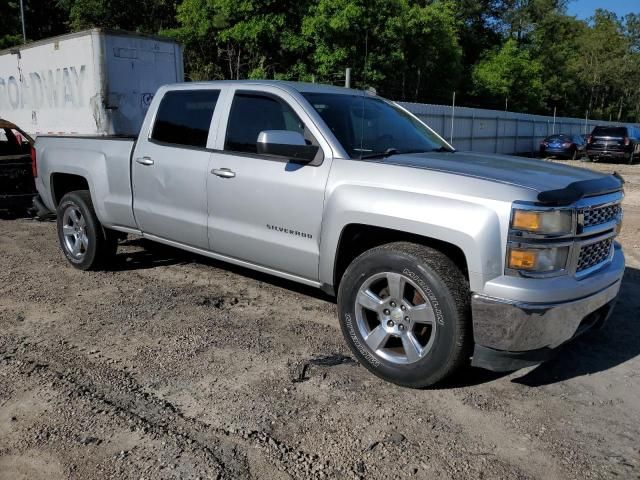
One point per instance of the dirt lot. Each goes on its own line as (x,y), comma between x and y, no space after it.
(174,366)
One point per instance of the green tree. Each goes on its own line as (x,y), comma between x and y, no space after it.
(603,48)
(402,50)
(240,39)
(10,30)
(509,74)
(42,20)
(555,44)
(145,16)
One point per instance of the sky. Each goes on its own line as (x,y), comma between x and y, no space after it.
(584,9)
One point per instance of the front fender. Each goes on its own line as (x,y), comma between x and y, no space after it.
(472,226)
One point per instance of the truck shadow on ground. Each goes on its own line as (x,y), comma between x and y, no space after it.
(148,254)
(595,351)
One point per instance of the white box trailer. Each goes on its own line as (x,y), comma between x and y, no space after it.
(95,82)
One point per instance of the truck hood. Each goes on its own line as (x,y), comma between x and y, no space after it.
(554,182)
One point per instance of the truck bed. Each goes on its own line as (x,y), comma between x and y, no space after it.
(104,160)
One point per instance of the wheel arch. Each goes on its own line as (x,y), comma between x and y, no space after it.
(63,183)
(357,238)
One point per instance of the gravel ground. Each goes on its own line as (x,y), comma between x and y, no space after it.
(174,366)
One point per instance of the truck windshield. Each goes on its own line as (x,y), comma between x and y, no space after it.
(369,127)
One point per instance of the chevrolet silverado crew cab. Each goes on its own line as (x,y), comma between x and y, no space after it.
(437,257)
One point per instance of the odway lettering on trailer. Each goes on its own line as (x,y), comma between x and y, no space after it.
(59,88)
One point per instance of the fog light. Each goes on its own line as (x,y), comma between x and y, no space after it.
(542,260)
(522,259)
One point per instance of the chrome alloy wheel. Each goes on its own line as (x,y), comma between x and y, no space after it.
(395,318)
(74,230)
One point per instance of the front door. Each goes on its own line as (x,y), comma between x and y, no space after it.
(170,168)
(266,210)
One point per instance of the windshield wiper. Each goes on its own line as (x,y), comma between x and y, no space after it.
(387,153)
(443,149)
(394,151)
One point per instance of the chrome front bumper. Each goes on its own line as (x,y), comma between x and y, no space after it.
(528,324)
(519,327)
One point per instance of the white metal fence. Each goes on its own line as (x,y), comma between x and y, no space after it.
(494,131)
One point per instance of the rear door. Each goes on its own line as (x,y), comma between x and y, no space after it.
(169,167)
(266,210)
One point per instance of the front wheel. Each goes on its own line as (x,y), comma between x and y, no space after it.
(84,241)
(404,311)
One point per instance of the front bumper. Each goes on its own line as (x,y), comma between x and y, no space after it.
(513,334)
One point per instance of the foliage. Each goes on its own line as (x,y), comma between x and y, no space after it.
(527,53)
(509,73)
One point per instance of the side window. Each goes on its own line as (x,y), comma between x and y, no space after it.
(251,113)
(184,117)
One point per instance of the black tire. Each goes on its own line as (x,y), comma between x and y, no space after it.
(447,291)
(101,243)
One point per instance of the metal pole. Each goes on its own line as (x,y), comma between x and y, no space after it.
(453,113)
(473,121)
(347,78)
(554,120)
(24,32)
(586,120)
(533,138)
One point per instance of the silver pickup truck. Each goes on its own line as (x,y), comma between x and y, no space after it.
(437,257)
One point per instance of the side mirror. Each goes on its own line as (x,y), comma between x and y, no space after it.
(287,144)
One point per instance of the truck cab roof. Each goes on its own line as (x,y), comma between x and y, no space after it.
(302,87)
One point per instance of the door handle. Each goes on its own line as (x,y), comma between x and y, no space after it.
(145,161)
(223,172)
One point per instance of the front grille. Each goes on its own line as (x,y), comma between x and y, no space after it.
(599,215)
(594,254)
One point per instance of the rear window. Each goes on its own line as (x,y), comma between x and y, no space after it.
(184,117)
(609,132)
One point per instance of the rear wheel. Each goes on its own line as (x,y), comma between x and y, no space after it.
(404,311)
(86,244)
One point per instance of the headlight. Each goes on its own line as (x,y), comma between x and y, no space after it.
(537,260)
(550,222)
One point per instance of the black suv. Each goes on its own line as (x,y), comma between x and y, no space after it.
(618,142)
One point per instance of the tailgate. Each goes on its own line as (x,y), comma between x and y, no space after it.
(15,175)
